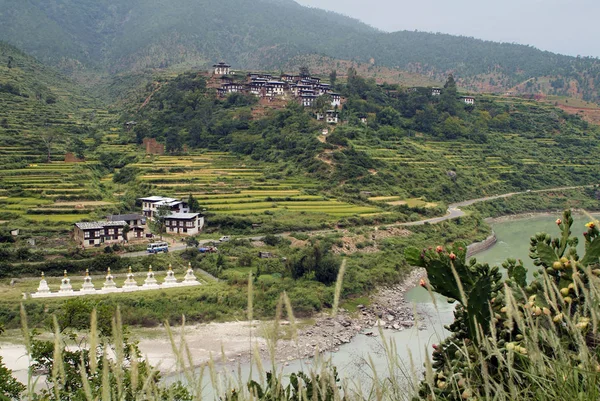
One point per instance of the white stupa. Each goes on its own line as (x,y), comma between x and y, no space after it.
(190,278)
(109,282)
(150,282)
(88,286)
(65,285)
(43,287)
(130,283)
(170,280)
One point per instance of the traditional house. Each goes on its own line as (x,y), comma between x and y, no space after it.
(307,99)
(331,117)
(275,88)
(222,68)
(336,99)
(184,223)
(436,91)
(136,223)
(99,232)
(151,204)
(232,88)
(468,100)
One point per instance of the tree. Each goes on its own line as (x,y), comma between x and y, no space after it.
(126,230)
(173,142)
(10,388)
(48,138)
(193,204)
(4,123)
(159,222)
(10,62)
(333,78)
(304,71)
(78,147)
(449,98)
(191,242)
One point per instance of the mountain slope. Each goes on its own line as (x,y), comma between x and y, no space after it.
(126,35)
(34,98)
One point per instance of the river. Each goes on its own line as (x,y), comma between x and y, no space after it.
(352,359)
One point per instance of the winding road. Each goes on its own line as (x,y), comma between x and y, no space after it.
(454,212)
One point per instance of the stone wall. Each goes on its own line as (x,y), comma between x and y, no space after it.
(484,245)
(153,147)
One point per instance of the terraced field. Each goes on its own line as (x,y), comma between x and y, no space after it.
(227,185)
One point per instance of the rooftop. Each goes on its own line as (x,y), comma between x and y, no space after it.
(125,217)
(97,225)
(182,216)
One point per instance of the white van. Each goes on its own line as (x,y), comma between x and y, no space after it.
(158,247)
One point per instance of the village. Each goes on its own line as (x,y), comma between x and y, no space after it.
(302,87)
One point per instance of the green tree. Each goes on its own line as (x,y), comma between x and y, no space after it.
(191,242)
(126,230)
(449,98)
(159,222)
(193,204)
(173,142)
(333,78)
(304,71)
(10,62)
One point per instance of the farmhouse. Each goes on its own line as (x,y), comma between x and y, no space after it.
(468,100)
(136,222)
(222,68)
(151,204)
(184,223)
(336,99)
(330,116)
(100,232)
(436,91)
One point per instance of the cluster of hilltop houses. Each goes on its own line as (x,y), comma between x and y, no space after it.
(305,88)
(178,221)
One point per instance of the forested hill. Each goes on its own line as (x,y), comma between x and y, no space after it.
(126,35)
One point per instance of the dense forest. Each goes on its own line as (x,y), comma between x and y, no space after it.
(116,35)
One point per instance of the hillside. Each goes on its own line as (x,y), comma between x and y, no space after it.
(117,35)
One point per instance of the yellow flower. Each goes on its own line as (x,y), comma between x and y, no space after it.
(591,224)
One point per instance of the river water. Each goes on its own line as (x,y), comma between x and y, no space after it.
(355,361)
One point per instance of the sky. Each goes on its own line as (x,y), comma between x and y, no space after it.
(561,26)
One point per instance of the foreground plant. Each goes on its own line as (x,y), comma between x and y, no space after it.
(514,339)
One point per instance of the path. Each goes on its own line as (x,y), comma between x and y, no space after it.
(453,212)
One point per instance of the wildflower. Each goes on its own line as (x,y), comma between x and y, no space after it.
(558,222)
(434,346)
(439,249)
(423,283)
(590,224)
(452,256)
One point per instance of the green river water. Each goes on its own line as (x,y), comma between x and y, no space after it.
(352,359)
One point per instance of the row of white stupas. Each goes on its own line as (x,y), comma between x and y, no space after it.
(109,286)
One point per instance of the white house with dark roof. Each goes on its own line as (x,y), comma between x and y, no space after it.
(99,232)
(468,100)
(221,68)
(336,99)
(184,223)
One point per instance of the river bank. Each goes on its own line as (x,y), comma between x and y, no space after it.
(529,215)
(232,343)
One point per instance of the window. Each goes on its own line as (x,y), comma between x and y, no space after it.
(86,234)
(91,242)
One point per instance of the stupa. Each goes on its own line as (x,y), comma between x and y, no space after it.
(65,285)
(109,282)
(43,287)
(150,281)
(190,278)
(88,286)
(170,280)
(130,283)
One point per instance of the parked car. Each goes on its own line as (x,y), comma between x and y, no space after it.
(157,247)
(225,238)
(208,249)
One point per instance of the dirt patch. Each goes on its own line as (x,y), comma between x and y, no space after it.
(297,243)
(366,243)
(396,203)
(590,115)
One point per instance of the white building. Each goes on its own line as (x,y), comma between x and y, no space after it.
(469,100)
(184,223)
(336,99)
(222,68)
(436,91)
(151,204)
